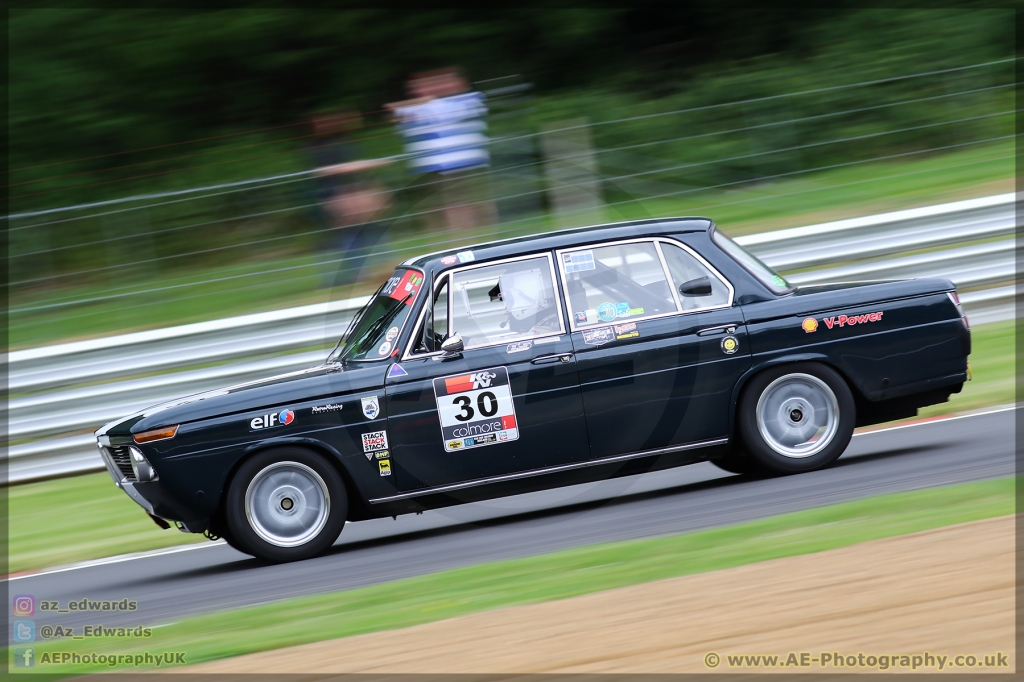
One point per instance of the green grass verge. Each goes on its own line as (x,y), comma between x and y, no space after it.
(86,517)
(846,192)
(558,575)
(78,518)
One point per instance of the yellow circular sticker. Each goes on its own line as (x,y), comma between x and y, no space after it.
(809,325)
(729,345)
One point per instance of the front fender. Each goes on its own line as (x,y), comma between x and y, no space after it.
(354,480)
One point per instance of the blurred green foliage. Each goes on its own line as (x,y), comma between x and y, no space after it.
(89,88)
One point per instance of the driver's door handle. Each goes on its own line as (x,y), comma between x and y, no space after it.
(555,357)
(720,329)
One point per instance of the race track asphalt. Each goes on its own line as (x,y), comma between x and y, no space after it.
(215,577)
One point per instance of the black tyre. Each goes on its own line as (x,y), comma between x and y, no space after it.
(796,418)
(285,504)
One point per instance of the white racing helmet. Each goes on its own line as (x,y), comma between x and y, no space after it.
(524,294)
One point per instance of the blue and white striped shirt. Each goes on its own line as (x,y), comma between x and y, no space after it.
(446,134)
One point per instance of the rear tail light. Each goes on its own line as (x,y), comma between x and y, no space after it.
(959,308)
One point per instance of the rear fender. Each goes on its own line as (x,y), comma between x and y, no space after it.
(790,358)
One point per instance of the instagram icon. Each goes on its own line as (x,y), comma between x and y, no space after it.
(24,605)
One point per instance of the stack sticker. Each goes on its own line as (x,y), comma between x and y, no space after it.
(597,337)
(476,409)
(626,331)
(373,441)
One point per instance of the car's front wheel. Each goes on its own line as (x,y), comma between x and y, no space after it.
(285,504)
(796,418)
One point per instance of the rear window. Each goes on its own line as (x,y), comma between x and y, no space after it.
(751,263)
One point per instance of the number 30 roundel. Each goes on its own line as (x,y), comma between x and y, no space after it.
(476,409)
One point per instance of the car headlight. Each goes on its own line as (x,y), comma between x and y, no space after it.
(144,471)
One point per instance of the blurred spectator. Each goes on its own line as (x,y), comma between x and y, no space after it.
(445,128)
(350,206)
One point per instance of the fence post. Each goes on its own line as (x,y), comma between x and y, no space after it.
(570,167)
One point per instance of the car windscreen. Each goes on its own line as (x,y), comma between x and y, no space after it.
(751,263)
(374,333)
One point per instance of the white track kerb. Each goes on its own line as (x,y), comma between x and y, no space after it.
(61,393)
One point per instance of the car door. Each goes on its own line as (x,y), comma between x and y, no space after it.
(659,344)
(509,402)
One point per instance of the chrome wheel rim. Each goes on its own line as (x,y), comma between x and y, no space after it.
(798,415)
(287,504)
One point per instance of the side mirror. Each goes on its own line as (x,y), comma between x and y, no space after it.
(453,345)
(696,287)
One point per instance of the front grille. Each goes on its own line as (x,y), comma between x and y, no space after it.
(123,459)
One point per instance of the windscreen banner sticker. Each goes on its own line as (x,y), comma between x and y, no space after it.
(403,287)
(476,409)
(597,337)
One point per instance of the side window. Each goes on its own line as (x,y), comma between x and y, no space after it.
(505,302)
(698,287)
(606,283)
(434,328)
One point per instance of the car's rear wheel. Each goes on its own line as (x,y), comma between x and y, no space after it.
(285,504)
(796,418)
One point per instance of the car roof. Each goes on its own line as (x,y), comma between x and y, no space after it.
(561,239)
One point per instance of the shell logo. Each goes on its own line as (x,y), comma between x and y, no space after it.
(809,325)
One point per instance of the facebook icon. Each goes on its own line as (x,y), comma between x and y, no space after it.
(24,656)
